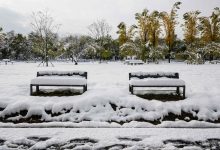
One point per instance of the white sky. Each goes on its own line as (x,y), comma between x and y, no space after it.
(76,15)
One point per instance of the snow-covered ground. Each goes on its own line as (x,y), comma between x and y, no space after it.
(108,102)
(106,139)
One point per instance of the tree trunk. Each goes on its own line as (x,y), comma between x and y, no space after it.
(75,60)
(210,57)
(46,53)
(169,55)
(46,61)
(76,63)
(143,55)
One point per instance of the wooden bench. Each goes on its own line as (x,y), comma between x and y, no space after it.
(156,79)
(214,62)
(134,62)
(59,78)
(7,61)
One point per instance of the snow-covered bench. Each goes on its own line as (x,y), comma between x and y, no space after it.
(134,62)
(214,62)
(7,61)
(156,79)
(59,78)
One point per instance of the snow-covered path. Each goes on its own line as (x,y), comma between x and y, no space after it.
(103,138)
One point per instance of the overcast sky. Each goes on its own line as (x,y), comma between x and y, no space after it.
(76,15)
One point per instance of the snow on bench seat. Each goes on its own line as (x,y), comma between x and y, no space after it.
(60,73)
(58,80)
(157,82)
(153,75)
(134,62)
(156,79)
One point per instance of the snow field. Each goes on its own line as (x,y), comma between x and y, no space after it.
(108,98)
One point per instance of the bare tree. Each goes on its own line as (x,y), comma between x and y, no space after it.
(43,25)
(100,31)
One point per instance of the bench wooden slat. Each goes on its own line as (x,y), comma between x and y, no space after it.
(59,73)
(143,75)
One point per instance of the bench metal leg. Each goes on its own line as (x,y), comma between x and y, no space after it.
(84,88)
(178,90)
(31,90)
(184,92)
(37,88)
(132,89)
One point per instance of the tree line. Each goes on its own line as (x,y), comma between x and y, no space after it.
(44,44)
(152,38)
(201,36)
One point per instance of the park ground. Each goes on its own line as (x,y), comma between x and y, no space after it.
(108,102)
(107,116)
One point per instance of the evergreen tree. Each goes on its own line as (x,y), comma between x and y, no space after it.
(75,46)
(129,49)
(6,48)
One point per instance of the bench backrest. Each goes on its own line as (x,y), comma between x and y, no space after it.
(142,75)
(62,73)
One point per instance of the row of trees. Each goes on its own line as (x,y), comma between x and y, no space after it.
(97,45)
(152,38)
(44,44)
(202,36)
(145,39)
